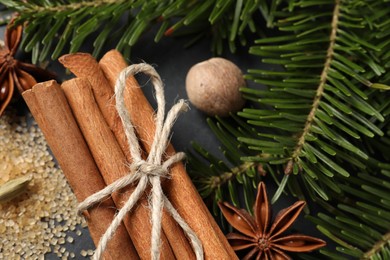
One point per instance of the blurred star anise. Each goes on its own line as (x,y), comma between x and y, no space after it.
(14,73)
(258,239)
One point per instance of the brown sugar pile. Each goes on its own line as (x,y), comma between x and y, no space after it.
(37,221)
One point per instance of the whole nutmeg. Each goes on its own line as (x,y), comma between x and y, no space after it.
(213,87)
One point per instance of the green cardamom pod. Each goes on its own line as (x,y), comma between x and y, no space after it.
(13,188)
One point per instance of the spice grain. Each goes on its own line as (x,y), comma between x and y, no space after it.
(29,225)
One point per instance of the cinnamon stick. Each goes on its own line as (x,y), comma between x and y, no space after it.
(111,163)
(50,109)
(179,189)
(85,66)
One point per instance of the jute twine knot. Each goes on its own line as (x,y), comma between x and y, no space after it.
(149,168)
(145,171)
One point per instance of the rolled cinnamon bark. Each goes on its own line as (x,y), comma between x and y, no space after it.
(179,189)
(83,65)
(50,109)
(112,163)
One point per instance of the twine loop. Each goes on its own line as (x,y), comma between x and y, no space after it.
(145,171)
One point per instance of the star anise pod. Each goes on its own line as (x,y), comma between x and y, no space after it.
(14,73)
(258,238)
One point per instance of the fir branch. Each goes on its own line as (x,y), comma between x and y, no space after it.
(318,134)
(361,211)
(322,147)
(31,9)
(50,25)
(378,246)
(222,179)
(320,90)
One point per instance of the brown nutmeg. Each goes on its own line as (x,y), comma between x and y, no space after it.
(213,86)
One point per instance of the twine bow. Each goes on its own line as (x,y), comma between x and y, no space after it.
(149,171)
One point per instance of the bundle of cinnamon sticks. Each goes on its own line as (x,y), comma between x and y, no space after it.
(85,133)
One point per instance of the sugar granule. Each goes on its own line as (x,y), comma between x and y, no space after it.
(35,222)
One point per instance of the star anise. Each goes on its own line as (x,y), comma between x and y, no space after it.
(258,239)
(14,73)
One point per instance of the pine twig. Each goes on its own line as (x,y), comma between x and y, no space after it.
(320,89)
